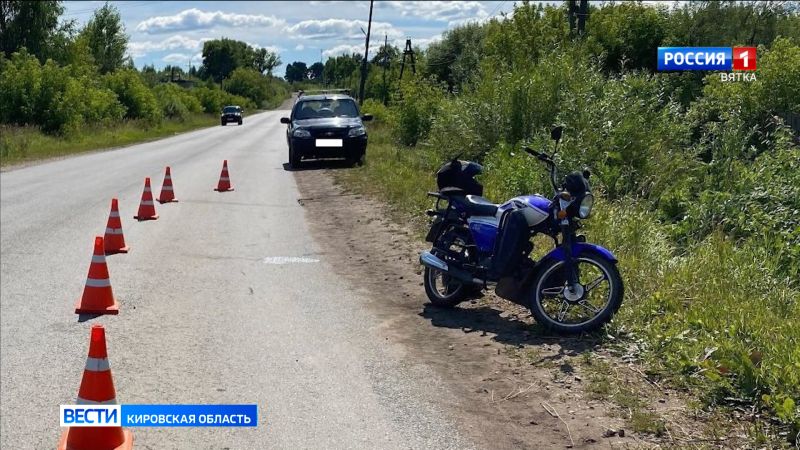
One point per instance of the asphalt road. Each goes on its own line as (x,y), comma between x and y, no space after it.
(226,298)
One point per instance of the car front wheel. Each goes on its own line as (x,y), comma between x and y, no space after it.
(294,158)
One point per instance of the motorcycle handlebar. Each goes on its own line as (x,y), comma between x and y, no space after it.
(543,157)
(539,155)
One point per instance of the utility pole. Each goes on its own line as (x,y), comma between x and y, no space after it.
(583,13)
(385,66)
(572,9)
(408,51)
(366,54)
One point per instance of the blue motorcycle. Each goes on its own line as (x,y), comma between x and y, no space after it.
(574,288)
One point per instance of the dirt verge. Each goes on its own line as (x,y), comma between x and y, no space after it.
(516,388)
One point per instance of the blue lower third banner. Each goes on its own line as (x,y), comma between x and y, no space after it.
(159,415)
(189,415)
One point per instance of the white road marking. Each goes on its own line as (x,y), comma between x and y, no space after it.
(288,260)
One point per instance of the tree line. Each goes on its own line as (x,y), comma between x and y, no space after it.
(62,78)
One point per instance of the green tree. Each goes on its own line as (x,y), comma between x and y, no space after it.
(33,25)
(106,38)
(296,71)
(628,34)
(455,59)
(222,56)
(316,71)
(265,60)
(247,82)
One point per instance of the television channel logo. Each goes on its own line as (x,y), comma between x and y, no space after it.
(90,415)
(707,58)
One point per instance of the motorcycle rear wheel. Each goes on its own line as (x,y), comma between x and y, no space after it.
(443,290)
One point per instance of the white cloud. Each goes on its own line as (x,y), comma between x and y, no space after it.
(141,48)
(271,48)
(445,11)
(182,58)
(422,43)
(344,49)
(299,47)
(339,29)
(195,19)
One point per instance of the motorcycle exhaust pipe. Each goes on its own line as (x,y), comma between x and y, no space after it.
(432,261)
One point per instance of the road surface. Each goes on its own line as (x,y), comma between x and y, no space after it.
(226,298)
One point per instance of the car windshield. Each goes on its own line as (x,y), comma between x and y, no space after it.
(230,109)
(320,109)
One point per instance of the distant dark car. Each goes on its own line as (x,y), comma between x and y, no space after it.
(231,114)
(326,126)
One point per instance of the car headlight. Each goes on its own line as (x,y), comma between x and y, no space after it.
(301,133)
(585,208)
(357,131)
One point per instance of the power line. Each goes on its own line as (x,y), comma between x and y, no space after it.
(491,14)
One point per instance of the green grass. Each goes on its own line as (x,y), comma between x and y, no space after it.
(604,385)
(23,144)
(714,317)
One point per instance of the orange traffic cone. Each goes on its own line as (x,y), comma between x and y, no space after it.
(97,387)
(224,180)
(114,241)
(147,210)
(98,298)
(167,195)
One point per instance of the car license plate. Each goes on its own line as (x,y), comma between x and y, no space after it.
(329,142)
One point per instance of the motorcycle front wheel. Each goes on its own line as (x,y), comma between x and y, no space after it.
(585,309)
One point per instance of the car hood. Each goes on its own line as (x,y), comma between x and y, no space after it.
(334,122)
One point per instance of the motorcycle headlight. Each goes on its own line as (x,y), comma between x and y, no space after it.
(585,208)
(357,131)
(301,133)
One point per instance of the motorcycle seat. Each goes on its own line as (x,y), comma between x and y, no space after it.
(479,206)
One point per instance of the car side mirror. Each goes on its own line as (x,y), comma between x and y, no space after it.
(555,133)
(366,117)
(285,120)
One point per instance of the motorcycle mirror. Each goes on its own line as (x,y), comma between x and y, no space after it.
(555,133)
(586,173)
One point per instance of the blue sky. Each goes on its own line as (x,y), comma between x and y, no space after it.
(170,32)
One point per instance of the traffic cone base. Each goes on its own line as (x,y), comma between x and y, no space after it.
(141,218)
(224,190)
(112,310)
(174,200)
(126,445)
(125,249)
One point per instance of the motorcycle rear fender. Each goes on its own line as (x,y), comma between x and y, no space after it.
(579,248)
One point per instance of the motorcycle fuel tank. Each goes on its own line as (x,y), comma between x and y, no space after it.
(535,207)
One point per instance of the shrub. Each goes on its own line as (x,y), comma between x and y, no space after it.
(246,82)
(379,112)
(137,98)
(50,97)
(415,111)
(176,102)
